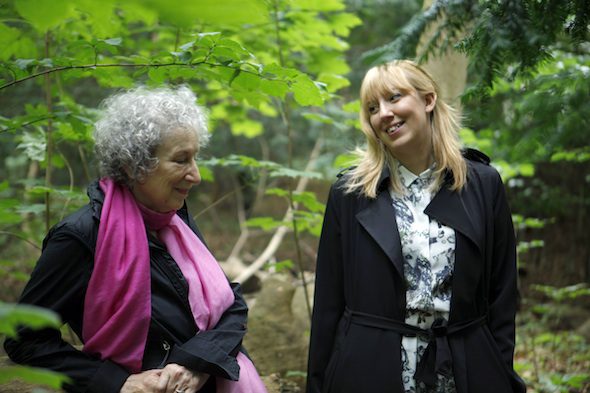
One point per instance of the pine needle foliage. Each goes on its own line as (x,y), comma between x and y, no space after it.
(503,38)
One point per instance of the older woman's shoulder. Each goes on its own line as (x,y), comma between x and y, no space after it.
(82,224)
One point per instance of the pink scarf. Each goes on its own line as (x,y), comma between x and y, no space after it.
(118,299)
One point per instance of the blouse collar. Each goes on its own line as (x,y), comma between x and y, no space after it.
(407,177)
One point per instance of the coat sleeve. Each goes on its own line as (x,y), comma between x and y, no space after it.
(214,351)
(329,295)
(58,283)
(503,291)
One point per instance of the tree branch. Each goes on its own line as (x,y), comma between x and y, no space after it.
(281,231)
(125,65)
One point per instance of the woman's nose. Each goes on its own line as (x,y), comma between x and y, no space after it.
(385,109)
(194,175)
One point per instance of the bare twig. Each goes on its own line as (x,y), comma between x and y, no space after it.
(244,233)
(281,231)
(128,65)
(21,237)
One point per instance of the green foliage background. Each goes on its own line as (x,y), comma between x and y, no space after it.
(280,80)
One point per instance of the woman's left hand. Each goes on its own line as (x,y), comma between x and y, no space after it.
(175,378)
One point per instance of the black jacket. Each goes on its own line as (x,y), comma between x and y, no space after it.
(360,268)
(59,282)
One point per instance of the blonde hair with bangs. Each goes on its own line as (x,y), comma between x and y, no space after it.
(405,76)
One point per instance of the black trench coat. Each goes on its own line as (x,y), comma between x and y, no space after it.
(360,267)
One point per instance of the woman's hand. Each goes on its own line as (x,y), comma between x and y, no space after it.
(146,381)
(175,378)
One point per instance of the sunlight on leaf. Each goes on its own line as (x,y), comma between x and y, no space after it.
(45,14)
(13,315)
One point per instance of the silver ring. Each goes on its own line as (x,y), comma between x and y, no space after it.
(178,390)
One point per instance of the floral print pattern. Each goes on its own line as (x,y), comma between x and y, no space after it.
(428,248)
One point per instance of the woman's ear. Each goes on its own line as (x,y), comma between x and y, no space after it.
(129,174)
(430,101)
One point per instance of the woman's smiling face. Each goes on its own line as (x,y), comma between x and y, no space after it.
(166,187)
(402,121)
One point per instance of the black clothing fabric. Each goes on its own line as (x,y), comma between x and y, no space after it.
(59,283)
(360,267)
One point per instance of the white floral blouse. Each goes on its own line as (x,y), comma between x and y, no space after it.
(428,248)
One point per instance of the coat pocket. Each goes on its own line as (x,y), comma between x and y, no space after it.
(330,371)
(486,370)
(367,360)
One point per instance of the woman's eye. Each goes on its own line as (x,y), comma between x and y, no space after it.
(395,97)
(373,109)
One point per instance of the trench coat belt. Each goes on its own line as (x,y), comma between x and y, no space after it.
(437,358)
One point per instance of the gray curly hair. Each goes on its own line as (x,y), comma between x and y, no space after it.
(133,123)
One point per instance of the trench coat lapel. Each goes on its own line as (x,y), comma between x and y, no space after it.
(459,211)
(384,231)
(452,209)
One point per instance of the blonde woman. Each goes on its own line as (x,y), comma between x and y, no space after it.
(416,271)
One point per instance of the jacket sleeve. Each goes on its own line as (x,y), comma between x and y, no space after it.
(58,283)
(503,290)
(214,351)
(328,296)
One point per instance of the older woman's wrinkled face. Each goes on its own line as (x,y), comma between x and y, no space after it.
(166,187)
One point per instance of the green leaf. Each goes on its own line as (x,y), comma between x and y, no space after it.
(26,64)
(237,48)
(319,5)
(281,72)
(97,12)
(63,192)
(265,223)
(352,106)
(526,169)
(344,161)
(246,81)
(306,198)
(247,128)
(183,56)
(279,266)
(226,13)
(277,192)
(13,315)
(114,41)
(158,74)
(319,117)
(45,14)
(309,200)
(33,375)
(306,92)
(333,82)
(206,173)
(4,185)
(293,173)
(8,216)
(15,44)
(35,208)
(34,144)
(275,88)
(342,22)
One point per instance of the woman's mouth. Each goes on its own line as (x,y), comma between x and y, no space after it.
(183,191)
(394,127)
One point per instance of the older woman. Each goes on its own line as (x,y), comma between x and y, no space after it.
(416,270)
(130,272)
